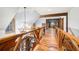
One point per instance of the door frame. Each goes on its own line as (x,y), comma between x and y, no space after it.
(60,22)
(57,14)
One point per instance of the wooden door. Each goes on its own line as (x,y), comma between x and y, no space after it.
(61,23)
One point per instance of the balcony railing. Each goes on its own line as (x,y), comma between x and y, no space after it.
(27,41)
(66,40)
(22,42)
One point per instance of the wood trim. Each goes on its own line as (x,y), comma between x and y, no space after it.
(53,15)
(58,14)
(67,22)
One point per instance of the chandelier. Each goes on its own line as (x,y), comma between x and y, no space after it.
(25,25)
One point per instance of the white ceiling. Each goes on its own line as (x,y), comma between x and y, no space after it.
(31,16)
(46,10)
(49,10)
(33,13)
(40,11)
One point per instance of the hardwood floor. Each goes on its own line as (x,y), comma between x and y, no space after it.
(48,42)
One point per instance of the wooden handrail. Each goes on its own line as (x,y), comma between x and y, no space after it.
(61,34)
(4,39)
(70,35)
(18,43)
(14,37)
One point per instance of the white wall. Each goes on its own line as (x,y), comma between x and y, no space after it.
(73,21)
(31,17)
(39,22)
(6,15)
(73,18)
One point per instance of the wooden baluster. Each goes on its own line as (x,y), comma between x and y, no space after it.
(36,33)
(27,43)
(18,43)
(58,37)
(71,44)
(21,46)
(41,33)
(38,36)
(60,40)
(24,45)
(66,41)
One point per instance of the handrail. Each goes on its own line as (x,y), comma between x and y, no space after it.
(70,35)
(15,36)
(61,34)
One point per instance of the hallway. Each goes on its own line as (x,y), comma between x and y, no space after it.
(48,42)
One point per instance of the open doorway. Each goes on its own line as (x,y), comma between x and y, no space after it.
(59,22)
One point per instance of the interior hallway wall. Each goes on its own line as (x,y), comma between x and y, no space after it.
(43,20)
(39,22)
(73,20)
(6,15)
(31,17)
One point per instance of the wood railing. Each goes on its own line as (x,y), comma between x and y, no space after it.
(23,41)
(66,41)
(28,40)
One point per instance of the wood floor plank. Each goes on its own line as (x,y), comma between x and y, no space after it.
(48,42)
